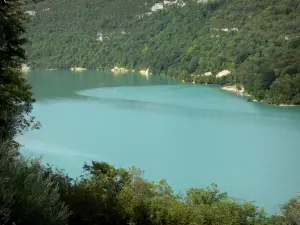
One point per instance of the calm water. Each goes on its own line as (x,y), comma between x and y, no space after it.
(191,135)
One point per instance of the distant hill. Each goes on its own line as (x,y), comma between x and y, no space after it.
(257,40)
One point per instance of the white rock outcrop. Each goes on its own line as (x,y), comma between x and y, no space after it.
(170,2)
(119,70)
(31,13)
(25,68)
(157,6)
(208,74)
(99,37)
(223,73)
(78,69)
(145,72)
(165,3)
(226,29)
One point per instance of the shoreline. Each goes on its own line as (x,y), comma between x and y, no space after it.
(286,105)
(229,88)
(233,89)
(114,70)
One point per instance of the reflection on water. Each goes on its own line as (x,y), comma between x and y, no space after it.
(65,84)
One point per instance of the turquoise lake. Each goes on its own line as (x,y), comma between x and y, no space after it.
(192,135)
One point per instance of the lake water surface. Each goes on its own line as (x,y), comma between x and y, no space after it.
(191,135)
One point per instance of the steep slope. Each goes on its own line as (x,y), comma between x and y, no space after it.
(259,40)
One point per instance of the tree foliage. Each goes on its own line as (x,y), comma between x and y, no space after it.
(15,95)
(27,196)
(107,195)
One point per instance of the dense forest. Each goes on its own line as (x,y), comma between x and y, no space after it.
(32,193)
(258,40)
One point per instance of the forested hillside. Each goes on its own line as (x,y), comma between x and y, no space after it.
(258,40)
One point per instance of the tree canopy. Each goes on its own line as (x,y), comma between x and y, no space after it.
(27,196)
(15,95)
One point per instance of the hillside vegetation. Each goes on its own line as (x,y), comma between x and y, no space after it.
(258,40)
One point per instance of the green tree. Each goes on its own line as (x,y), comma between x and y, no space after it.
(291,211)
(93,199)
(27,195)
(15,95)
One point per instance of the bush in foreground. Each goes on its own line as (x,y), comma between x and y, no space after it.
(27,196)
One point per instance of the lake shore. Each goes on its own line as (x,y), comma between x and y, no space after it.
(286,105)
(115,70)
(234,89)
(230,88)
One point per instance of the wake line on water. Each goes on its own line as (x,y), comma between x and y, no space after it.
(40,147)
(181,110)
